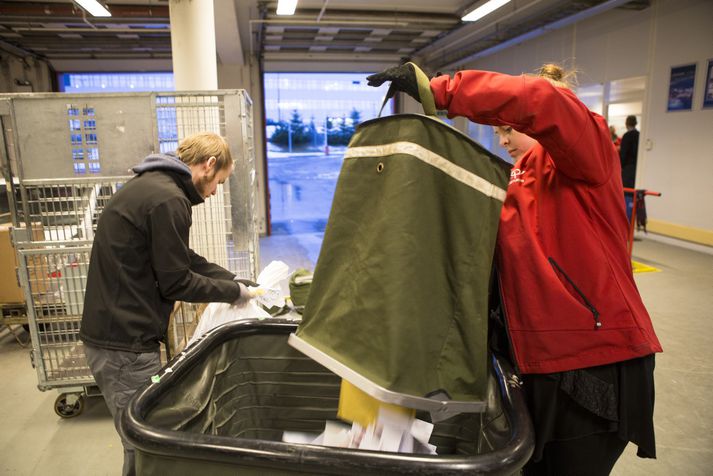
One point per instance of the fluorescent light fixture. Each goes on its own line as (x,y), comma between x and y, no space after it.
(486,8)
(286,7)
(94,8)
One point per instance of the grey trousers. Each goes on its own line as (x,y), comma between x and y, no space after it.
(119,375)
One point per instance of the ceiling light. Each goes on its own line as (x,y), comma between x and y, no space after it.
(486,8)
(94,8)
(286,7)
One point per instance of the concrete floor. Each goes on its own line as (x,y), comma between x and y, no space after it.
(34,441)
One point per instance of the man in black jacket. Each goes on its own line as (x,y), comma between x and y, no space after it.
(141,264)
(628,152)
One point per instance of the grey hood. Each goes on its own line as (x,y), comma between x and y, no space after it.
(168,161)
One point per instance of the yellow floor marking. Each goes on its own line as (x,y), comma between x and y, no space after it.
(643,268)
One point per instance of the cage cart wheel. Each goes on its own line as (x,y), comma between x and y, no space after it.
(69,405)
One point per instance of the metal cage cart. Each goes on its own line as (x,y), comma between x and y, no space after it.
(221,407)
(63,157)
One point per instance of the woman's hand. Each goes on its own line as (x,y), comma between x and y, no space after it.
(403,78)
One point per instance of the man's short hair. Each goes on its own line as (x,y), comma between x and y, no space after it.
(631,121)
(197,148)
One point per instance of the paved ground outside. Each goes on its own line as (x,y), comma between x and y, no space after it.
(301,191)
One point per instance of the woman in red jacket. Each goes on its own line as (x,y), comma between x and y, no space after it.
(578,331)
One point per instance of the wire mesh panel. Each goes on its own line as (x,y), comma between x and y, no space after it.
(54,280)
(184,320)
(180,115)
(224,228)
(67,209)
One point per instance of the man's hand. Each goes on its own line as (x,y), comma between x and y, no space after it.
(246,294)
(403,78)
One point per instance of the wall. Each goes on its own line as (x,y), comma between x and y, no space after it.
(676,148)
(24,74)
(679,161)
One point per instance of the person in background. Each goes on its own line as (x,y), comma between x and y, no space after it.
(578,331)
(615,138)
(628,152)
(141,264)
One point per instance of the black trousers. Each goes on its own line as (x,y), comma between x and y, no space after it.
(593,455)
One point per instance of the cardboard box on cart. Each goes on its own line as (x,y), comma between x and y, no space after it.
(10,290)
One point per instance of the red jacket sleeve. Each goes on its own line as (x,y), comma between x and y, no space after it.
(577,139)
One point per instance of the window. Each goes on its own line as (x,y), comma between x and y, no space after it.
(82,132)
(114,83)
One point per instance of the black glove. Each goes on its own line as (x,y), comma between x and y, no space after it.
(403,78)
(247,282)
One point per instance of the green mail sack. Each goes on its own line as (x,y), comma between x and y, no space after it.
(400,290)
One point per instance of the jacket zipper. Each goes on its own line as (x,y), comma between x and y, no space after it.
(592,309)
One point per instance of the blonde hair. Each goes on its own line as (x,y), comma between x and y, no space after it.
(197,148)
(557,75)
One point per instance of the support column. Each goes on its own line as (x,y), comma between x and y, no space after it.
(193,45)
(195,69)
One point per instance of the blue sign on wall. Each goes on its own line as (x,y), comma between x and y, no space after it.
(680,88)
(708,87)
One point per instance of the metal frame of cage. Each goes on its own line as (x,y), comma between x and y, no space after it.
(53,198)
(56,279)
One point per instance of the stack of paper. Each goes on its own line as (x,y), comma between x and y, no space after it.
(392,431)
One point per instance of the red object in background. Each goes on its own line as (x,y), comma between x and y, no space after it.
(632,220)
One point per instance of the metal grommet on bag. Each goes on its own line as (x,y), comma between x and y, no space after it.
(380,167)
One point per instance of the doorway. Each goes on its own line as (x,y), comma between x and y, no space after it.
(310,118)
